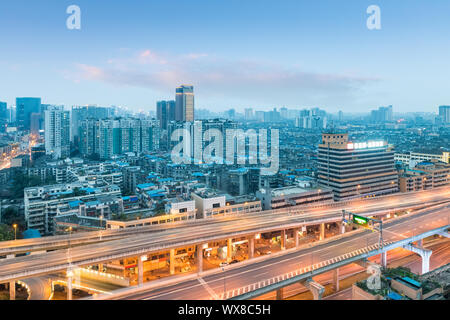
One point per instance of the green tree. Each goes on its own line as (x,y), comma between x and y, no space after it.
(12,216)
(6,233)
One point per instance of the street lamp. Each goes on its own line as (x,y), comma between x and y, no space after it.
(224,279)
(15,231)
(101,226)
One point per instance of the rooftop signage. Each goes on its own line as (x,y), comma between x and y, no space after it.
(365,145)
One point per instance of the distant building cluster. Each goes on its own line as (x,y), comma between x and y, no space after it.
(107,167)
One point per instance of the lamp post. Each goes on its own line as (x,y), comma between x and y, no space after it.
(15,231)
(224,279)
(101,226)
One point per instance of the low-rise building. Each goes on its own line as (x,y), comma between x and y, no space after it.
(279,198)
(44,203)
(425,176)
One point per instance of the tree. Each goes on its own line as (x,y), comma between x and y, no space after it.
(12,216)
(6,233)
(20,182)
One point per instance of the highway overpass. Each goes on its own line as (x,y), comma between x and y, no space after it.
(264,274)
(331,212)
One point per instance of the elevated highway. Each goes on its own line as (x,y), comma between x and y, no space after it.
(265,274)
(322,213)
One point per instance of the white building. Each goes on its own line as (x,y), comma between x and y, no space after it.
(57,132)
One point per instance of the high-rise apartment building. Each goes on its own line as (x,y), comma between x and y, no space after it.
(184,110)
(24,108)
(109,137)
(57,132)
(444,113)
(383,114)
(356,169)
(3,116)
(81,113)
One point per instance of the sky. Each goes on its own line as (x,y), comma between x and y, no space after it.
(237,53)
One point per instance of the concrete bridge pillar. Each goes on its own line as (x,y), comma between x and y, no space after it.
(420,243)
(283,239)
(140,271)
(384,259)
(251,247)
(316,288)
(296,237)
(100,267)
(229,250)
(322,231)
(200,258)
(172,261)
(280,293)
(424,254)
(12,290)
(69,286)
(336,279)
(342,227)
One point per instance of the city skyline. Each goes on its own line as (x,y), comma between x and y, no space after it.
(295,55)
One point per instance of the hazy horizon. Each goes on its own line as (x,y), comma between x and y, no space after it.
(253,54)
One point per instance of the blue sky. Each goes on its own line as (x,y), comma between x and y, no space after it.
(237,54)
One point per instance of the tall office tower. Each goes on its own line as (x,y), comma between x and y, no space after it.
(249,114)
(444,113)
(184,110)
(354,170)
(165,112)
(3,116)
(24,108)
(57,132)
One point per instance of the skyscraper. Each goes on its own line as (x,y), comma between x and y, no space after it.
(165,112)
(57,132)
(3,116)
(444,113)
(24,108)
(184,110)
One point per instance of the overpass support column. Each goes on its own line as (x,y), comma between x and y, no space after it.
(341,227)
(12,290)
(280,293)
(283,239)
(322,231)
(420,243)
(384,259)
(336,279)
(316,288)
(69,285)
(251,247)
(229,250)
(296,237)
(140,271)
(172,261)
(199,258)
(100,267)
(424,254)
